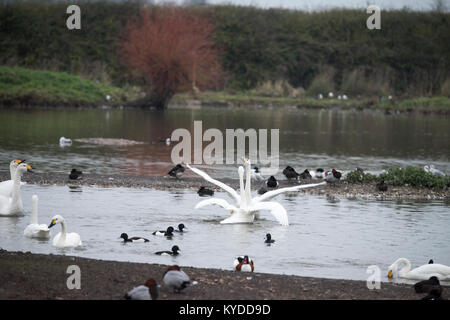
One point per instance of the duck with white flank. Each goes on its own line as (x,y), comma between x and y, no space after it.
(10,206)
(305,175)
(34,229)
(7,186)
(167,233)
(202,192)
(272,182)
(290,173)
(381,186)
(64,239)
(175,279)
(256,174)
(75,174)
(177,171)
(125,238)
(318,173)
(175,251)
(268,239)
(147,291)
(332,176)
(244,264)
(181,228)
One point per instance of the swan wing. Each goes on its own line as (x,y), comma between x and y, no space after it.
(222,185)
(276,209)
(6,188)
(439,270)
(216,201)
(270,194)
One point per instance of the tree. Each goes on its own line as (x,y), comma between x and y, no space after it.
(172,49)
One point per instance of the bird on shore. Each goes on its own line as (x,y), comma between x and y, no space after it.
(174,252)
(305,175)
(65,142)
(423,272)
(177,171)
(202,192)
(256,174)
(433,170)
(332,176)
(181,226)
(167,233)
(125,238)
(272,182)
(434,294)
(75,174)
(176,279)
(268,239)
(244,264)
(381,186)
(425,286)
(290,173)
(147,291)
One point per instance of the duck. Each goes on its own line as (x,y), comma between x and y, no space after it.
(64,239)
(75,174)
(305,175)
(425,286)
(167,233)
(177,171)
(256,174)
(6,187)
(65,142)
(181,226)
(272,182)
(244,264)
(34,229)
(381,186)
(176,279)
(424,272)
(332,176)
(10,206)
(125,238)
(202,192)
(290,173)
(174,252)
(147,291)
(318,173)
(268,239)
(431,261)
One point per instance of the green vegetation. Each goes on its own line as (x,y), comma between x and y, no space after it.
(20,86)
(307,52)
(409,176)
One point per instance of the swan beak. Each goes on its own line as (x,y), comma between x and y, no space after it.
(52,223)
(390,275)
(29,168)
(19,161)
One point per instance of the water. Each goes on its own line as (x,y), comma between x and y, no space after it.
(332,240)
(308,138)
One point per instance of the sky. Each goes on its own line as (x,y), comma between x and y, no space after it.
(309,5)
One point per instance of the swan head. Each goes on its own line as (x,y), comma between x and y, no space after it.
(15,163)
(22,168)
(56,219)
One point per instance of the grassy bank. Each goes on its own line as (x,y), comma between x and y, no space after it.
(24,87)
(421,104)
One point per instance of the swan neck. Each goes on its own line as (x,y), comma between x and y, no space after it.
(34,213)
(12,171)
(241,186)
(16,187)
(247,182)
(406,268)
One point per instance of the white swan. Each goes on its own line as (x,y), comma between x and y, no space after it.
(246,207)
(6,187)
(64,239)
(34,229)
(433,170)
(65,142)
(13,205)
(420,273)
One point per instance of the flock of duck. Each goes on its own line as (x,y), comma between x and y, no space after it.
(245,210)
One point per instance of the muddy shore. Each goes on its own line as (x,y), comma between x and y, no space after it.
(342,189)
(37,276)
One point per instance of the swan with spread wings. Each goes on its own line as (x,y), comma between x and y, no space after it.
(246,207)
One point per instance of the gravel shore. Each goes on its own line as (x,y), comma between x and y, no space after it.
(342,189)
(37,276)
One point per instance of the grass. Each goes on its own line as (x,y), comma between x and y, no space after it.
(409,176)
(21,86)
(423,104)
